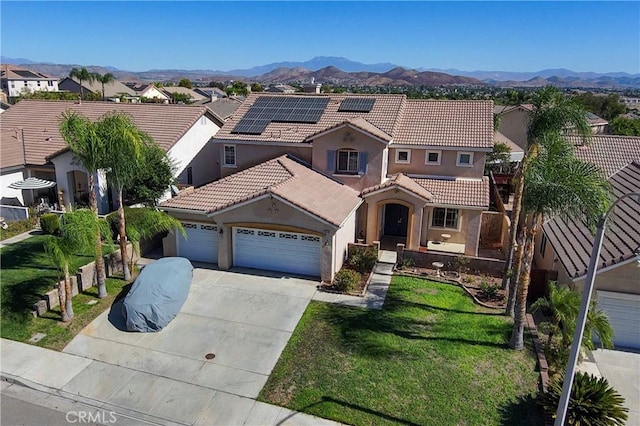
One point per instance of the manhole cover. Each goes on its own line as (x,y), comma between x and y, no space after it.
(210,356)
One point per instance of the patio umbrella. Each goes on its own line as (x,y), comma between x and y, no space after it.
(32,183)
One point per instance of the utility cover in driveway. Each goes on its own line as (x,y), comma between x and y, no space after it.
(277,251)
(201,244)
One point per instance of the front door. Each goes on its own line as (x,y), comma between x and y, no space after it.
(396,220)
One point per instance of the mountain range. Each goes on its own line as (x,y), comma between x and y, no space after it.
(340,70)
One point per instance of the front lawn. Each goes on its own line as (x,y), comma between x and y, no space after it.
(26,274)
(429,357)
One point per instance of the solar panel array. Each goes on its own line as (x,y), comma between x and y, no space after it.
(26,74)
(280,109)
(357,105)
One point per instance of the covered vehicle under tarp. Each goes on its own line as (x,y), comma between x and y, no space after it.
(157,295)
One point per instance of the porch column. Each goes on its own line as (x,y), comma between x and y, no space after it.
(372,222)
(416,228)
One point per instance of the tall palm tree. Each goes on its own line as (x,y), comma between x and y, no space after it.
(124,145)
(104,79)
(557,184)
(76,235)
(81,75)
(80,134)
(563,306)
(555,113)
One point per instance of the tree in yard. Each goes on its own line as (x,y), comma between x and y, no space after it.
(499,159)
(77,234)
(81,75)
(104,79)
(153,180)
(257,87)
(556,184)
(81,136)
(125,145)
(185,82)
(552,114)
(625,126)
(178,97)
(237,88)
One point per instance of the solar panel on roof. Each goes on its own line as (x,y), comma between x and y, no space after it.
(357,105)
(26,74)
(280,109)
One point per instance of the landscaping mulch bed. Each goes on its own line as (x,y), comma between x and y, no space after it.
(359,291)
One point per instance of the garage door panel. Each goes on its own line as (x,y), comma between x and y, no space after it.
(201,244)
(277,251)
(623,311)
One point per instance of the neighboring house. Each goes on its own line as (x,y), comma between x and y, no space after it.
(33,147)
(565,246)
(223,108)
(4,106)
(213,93)
(17,81)
(280,88)
(193,95)
(304,175)
(113,91)
(149,92)
(514,122)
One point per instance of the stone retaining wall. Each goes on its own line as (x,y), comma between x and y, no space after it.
(482,265)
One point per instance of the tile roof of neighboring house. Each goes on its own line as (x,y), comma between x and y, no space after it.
(359,123)
(447,123)
(500,138)
(594,120)
(195,96)
(415,122)
(611,153)
(38,122)
(281,88)
(400,180)
(112,89)
(503,109)
(284,177)
(210,91)
(224,107)
(458,192)
(573,242)
(12,72)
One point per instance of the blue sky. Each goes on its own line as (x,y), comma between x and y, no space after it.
(513,36)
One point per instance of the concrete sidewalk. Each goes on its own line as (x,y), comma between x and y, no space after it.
(20,237)
(134,396)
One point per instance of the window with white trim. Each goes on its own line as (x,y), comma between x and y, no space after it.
(403,156)
(445,218)
(465,159)
(230,155)
(433,157)
(347,162)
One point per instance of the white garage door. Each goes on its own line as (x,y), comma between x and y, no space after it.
(201,244)
(623,311)
(277,251)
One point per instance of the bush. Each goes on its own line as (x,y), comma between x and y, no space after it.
(461,263)
(407,262)
(363,259)
(346,280)
(488,291)
(50,223)
(592,401)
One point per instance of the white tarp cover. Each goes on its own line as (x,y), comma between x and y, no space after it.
(157,295)
(32,183)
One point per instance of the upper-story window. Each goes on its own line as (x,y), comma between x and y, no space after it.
(403,156)
(433,158)
(445,218)
(465,159)
(38,83)
(50,83)
(347,162)
(230,155)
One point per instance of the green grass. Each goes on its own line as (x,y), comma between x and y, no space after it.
(16,228)
(26,274)
(429,357)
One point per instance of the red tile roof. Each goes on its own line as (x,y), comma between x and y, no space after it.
(458,192)
(38,123)
(285,177)
(399,180)
(611,153)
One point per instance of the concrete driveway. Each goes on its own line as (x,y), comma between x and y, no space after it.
(622,371)
(242,318)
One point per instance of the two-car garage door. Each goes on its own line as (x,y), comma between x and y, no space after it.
(201,244)
(277,251)
(623,311)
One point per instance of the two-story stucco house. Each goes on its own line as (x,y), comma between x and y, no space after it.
(17,81)
(303,175)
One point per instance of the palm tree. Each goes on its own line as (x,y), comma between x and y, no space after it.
(552,113)
(82,74)
(557,183)
(104,79)
(124,145)
(76,235)
(80,134)
(563,306)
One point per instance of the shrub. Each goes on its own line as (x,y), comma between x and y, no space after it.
(346,280)
(461,263)
(363,259)
(50,223)
(407,262)
(488,291)
(592,401)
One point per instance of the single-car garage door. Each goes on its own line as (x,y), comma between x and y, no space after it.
(277,251)
(623,311)
(201,244)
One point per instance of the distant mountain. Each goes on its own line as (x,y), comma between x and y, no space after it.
(603,82)
(525,76)
(315,64)
(14,61)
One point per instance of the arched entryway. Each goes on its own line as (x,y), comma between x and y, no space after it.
(394,225)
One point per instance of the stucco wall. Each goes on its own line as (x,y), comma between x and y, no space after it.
(251,155)
(468,232)
(623,279)
(447,167)
(355,140)
(375,215)
(343,236)
(514,126)
(7,179)
(188,151)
